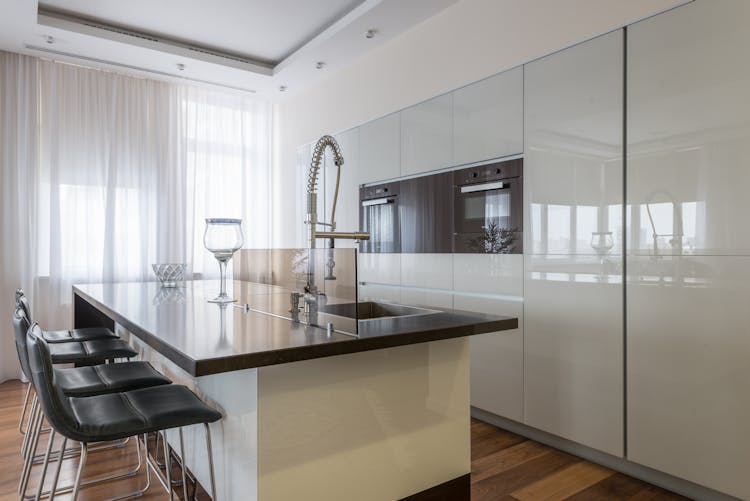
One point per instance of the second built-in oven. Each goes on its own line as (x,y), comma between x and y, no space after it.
(488,205)
(378,215)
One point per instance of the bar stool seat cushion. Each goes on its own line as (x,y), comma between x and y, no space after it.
(108,378)
(90,352)
(85,334)
(120,415)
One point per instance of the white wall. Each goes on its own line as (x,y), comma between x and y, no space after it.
(466,42)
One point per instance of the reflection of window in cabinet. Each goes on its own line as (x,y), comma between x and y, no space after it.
(666,227)
(570,229)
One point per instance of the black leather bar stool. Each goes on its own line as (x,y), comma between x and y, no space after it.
(88,353)
(81,382)
(113,416)
(63,336)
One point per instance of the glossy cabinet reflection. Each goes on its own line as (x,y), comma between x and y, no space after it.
(573,304)
(573,349)
(426,208)
(688,371)
(493,283)
(688,292)
(573,120)
(689,130)
(488,118)
(426,136)
(380,149)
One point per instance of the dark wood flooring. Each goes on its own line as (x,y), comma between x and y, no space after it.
(505,467)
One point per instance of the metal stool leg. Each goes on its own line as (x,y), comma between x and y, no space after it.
(44,467)
(57,470)
(29,425)
(168,465)
(34,441)
(23,410)
(79,474)
(210,461)
(184,467)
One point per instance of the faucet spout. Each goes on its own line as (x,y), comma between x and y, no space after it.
(312,195)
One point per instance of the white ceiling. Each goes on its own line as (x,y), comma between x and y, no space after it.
(265,30)
(253,45)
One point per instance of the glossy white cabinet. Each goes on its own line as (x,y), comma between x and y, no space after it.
(573,349)
(496,358)
(385,293)
(427,298)
(688,370)
(498,274)
(347,208)
(689,288)
(427,136)
(377,268)
(380,149)
(431,271)
(573,119)
(488,118)
(573,291)
(689,130)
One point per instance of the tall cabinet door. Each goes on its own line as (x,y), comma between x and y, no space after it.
(573,291)
(688,287)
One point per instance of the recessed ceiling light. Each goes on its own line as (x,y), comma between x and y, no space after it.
(282,88)
(319,65)
(370,33)
(180,66)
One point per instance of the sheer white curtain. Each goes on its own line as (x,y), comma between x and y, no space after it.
(121,171)
(18,178)
(225,141)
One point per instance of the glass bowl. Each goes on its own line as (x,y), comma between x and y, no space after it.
(169,273)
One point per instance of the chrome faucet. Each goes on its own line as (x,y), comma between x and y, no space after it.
(676,240)
(312,195)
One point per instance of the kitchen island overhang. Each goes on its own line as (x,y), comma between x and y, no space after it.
(382,416)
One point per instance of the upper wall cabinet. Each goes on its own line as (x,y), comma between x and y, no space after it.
(426,136)
(380,149)
(689,130)
(573,149)
(488,118)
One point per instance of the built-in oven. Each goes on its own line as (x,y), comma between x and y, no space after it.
(488,208)
(378,216)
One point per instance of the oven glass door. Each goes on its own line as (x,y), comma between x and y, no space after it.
(484,214)
(380,219)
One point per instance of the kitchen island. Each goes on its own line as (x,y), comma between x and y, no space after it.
(307,413)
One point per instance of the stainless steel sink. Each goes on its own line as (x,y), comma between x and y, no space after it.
(370,310)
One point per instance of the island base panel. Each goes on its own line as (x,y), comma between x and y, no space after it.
(383,424)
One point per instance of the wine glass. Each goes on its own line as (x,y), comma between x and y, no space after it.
(223,237)
(602,243)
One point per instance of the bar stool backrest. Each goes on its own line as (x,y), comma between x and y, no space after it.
(23,302)
(55,404)
(21,326)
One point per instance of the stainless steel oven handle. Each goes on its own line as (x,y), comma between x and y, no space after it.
(377,201)
(496,185)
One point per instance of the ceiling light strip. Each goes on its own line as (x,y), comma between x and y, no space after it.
(136,68)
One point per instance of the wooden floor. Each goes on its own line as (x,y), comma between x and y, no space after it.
(505,467)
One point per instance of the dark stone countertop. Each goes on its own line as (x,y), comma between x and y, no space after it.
(203,338)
